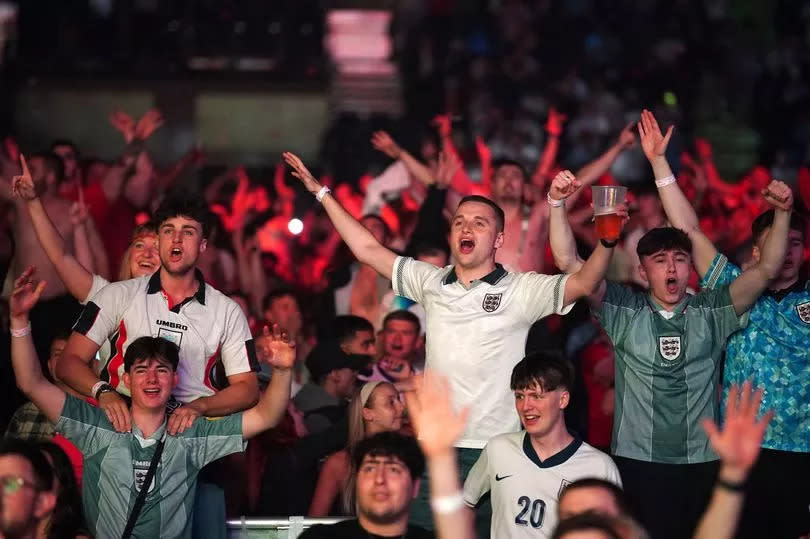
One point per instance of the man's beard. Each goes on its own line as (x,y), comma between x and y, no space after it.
(390,516)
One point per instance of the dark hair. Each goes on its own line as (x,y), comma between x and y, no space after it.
(587,521)
(182,203)
(405,316)
(619,498)
(663,239)
(273,295)
(547,369)
(67,519)
(43,474)
(427,249)
(506,162)
(149,227)
(344,327)
(500,218)
(392,444)
(65,142)
(53,164)
(61,334)
(144,348)
(765,221)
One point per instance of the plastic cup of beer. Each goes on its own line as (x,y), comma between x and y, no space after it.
(605,200)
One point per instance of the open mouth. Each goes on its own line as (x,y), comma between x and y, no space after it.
(466,246)
(146,266)
(175,254)
(152,391)
(672,285)
(530,419)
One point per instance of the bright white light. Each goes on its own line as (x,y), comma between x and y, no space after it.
(295,226)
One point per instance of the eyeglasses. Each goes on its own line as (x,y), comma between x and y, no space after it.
(10,484)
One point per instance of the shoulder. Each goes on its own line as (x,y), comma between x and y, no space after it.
(419,533)
(129,286)
(337,462)
(203,427)
(504,444)
(346,528)
(589,453)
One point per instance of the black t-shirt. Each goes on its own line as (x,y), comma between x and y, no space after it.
(351,529)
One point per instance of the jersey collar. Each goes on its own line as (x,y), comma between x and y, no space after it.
(779,295)
(155,286)
(554,460)
(491,278)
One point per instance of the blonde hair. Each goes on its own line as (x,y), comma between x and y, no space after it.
(357,431)
(124,271)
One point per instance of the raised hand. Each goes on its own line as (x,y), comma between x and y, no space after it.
(23,186)
(148,124)
(300,171)
(123,123)
(653,143)
(275,348)
(443,124)
(25,294)
(383,142)
(627,139)
(448,166)
(563,185)
(79,211)
(555,121)
(484,153)
(778,195)
(738,443)
(430,408)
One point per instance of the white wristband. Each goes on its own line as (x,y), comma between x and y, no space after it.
(663,182)
(553,202)
(322,193)
(447,504)
(24,332)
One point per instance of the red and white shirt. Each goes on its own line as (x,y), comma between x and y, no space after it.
(209,328)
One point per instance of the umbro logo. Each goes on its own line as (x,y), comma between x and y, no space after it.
(501,477)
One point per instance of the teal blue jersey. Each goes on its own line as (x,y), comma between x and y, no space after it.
(115,465)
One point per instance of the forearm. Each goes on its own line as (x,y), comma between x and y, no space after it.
(589,280)
(721,516)
(416,168)
(563,244)
(97,249)
(443,473)
(774,248)
(76,373)
(81,246)
(361,242)
(234,398)
(679,210)
(547,159)
(27,369)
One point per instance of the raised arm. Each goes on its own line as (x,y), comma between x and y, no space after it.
(591,172)
(45,395)
(746,288)
(554,128)
(76,277)
(738,446)
(383,142)
(679,210)
(561,236)
(278,351)
(361,242)
(438,426)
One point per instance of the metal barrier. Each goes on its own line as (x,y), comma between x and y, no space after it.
(273,528)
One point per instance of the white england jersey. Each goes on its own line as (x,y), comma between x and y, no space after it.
(524,489)
(209,328)
(475,336)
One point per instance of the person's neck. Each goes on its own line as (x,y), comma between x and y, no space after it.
(179,287)
(782,284)
(148,420)
(553,442)
(669,307)
(467,275)
(511,208)
(393,529)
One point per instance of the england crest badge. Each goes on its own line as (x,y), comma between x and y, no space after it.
(491,302)
(670,347)
(804,311)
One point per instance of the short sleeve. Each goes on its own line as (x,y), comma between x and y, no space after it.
(477,483)
(612,472)
(238,350)
(211,438)
(99,282)
(542,295)
(718,304)
(85,425)
(721,272)
(102,314)
(410,276)
(618,305)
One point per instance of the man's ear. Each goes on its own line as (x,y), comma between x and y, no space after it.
(126,379)
(565,398)
(203,245)
(499,240)
(643,273)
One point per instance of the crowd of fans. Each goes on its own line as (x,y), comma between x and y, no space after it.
(455,316)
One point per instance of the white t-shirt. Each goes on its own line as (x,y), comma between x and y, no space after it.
(209,327)
(476,335)
(524,489)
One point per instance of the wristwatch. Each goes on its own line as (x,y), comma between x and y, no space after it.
(103,388)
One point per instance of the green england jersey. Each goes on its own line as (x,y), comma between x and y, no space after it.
(115,465)
(667,372)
